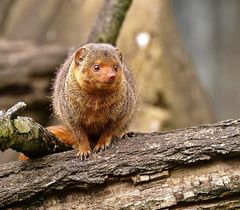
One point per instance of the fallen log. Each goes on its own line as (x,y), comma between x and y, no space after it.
(190,168)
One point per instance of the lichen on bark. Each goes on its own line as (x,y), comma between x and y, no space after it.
(26,136)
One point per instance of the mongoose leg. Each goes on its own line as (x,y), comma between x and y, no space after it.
(103,142)
(83,146)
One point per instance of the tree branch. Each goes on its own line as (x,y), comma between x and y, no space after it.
(24,135)
(109,21)
(159,170)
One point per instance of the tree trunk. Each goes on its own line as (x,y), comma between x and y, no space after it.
(109,21)
(5,6)
(192,168)
(167,79)
(210,33)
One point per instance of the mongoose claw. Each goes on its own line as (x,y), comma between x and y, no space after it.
(103,143)
(100,148)
(84,154)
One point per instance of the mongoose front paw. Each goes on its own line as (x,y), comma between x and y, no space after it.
(103,143)
(84,151)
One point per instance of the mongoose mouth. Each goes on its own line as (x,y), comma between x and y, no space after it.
(105,84)
(108,82)
(100,85)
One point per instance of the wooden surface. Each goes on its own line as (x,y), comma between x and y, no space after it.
(188,168)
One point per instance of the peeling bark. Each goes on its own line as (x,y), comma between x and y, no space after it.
(196,167)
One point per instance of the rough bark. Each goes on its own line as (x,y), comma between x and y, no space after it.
(24,135)
(109,21)
(197,167)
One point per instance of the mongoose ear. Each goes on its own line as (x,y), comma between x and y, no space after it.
(119,52)
(80,55)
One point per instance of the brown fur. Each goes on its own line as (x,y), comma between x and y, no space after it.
(94,105)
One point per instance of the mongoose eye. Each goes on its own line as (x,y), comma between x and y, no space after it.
(115,67)
(96,67)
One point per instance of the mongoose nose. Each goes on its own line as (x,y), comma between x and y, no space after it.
(112,76)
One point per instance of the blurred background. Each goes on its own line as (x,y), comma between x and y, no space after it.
(184,53)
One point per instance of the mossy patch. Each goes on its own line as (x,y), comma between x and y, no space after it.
(22,126)
(6,130)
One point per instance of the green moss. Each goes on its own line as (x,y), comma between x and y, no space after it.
(6,130)
(35,132)
(3,130)
(6,133)
(22,125)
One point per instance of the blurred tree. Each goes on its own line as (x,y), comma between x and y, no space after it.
(5,6)
(65,22)
(168,83)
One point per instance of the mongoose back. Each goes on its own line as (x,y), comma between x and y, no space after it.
(94,95)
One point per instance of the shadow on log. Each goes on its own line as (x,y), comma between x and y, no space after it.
(187,168)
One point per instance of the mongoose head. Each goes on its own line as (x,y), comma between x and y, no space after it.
(98,66)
